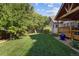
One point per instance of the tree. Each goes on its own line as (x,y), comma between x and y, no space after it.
(37,22)
(13,17)
(16,19)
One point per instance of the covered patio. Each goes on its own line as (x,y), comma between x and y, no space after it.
(69,12)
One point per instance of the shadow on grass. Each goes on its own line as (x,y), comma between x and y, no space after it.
(46,45)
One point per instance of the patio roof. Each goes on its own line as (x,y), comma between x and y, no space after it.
(68,11)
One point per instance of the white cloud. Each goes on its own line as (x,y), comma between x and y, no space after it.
(53,11)
(42,10)
(50,5)
(36,4)
(38,9)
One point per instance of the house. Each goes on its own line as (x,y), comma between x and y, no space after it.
(55,25)
(69,15)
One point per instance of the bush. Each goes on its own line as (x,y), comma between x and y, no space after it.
(15,32)
(46,31)
(75,44)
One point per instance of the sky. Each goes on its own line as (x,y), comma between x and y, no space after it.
(47,9)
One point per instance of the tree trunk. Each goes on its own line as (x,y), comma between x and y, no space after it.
(35,31)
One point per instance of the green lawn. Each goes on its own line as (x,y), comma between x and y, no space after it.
(36,44)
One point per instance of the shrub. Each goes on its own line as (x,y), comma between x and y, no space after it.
(46,31)
(75,44)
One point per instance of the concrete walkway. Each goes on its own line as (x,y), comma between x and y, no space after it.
(67,43)
(2,41)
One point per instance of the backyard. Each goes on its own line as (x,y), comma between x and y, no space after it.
(26,32)
(35,45)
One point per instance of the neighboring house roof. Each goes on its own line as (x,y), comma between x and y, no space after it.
(68,11)
(53,20)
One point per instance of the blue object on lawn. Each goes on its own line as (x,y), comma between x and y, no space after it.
(62,36)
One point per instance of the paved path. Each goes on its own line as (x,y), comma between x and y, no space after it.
(67,43)
(2,41)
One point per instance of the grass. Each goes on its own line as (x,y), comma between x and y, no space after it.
(16,47)
(35,45)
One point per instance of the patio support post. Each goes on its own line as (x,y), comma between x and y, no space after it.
(72,37)
(58,27)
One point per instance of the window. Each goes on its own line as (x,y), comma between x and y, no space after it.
(56,25)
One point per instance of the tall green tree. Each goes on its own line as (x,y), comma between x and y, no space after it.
(16,19)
